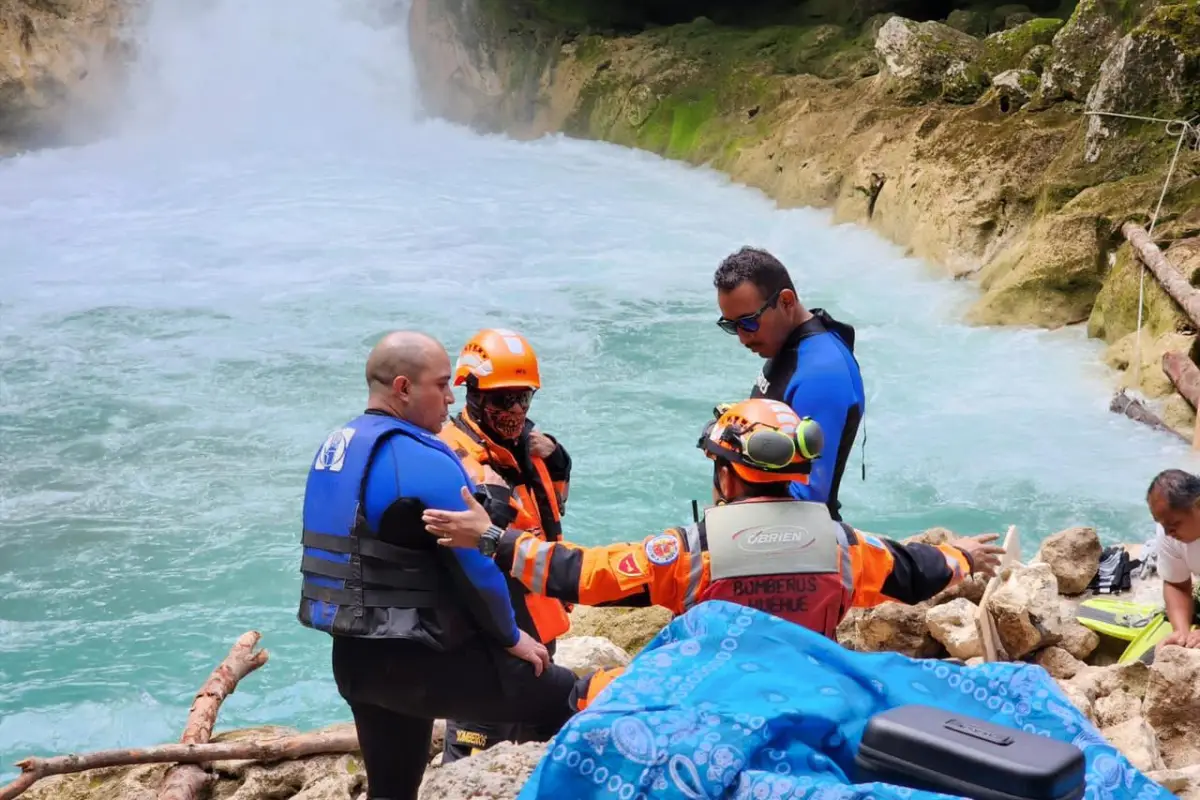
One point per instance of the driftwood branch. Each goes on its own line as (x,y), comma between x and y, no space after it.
(280,748)
(1173,281)
(1184,374)
(186,781)
(1137,411)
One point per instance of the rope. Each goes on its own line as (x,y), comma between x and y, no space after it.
(1182,130)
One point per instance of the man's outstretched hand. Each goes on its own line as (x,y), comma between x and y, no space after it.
(984,555)
(458,528)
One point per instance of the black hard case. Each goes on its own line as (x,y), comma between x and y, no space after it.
(922,747)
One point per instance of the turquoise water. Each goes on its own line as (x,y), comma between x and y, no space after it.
(185,309)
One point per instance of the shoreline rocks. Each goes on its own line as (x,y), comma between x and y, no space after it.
(1148,712)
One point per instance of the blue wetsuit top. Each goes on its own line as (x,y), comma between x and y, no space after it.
(816,374)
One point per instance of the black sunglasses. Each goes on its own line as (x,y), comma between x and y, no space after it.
(507,398)
(748,323)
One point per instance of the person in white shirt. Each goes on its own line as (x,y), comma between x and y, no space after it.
(1174,501)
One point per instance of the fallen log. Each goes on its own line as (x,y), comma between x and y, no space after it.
(1173,281)
(280,748)
(1137,411)
(1184,374)
(186,781)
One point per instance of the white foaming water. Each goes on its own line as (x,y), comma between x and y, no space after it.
(185,309)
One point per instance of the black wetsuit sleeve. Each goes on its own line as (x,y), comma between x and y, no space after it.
(920,571)
(436,479)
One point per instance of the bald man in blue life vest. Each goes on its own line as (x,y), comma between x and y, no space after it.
(810,360)
(420,632)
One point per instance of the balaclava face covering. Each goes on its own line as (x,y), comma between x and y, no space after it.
(502,425)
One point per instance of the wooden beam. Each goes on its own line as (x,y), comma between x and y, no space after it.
(1184,373)
(1137,411)
(1173,281)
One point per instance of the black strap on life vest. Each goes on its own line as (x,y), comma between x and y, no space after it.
(378,574)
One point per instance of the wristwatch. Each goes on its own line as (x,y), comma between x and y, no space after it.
(489,540)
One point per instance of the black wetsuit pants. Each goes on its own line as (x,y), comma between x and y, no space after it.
(396,688)
(465,739)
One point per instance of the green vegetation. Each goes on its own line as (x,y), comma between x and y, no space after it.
(1116,310)
(1004,51)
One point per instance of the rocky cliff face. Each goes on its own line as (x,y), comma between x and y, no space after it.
(60,68)
(964,139)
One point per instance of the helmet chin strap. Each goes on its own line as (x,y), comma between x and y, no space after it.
(721,498)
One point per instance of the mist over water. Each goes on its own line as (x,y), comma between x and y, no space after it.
(185,309)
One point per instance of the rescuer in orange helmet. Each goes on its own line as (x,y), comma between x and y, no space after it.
(758,546)
(524,475)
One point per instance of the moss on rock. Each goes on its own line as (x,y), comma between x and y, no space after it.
(1005,50)
(1154,71)
(1037,57)
(964,84)
(1011,90)
(683,126)
(1180,25)
(1115,314)
(1080,47)
(920,56)
(782,49)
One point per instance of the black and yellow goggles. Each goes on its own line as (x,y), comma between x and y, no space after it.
(763,447)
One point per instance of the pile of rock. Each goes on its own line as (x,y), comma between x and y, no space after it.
(1147,712)
(1032,607)
(1106,54)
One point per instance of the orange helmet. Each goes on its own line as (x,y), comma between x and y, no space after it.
(764,440)
(496,358)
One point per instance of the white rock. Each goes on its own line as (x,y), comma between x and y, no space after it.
(953,624)
(586,654)
(497,773)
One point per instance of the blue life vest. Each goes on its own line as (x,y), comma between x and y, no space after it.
(350,574)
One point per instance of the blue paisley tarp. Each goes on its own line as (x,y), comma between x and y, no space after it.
(729,702)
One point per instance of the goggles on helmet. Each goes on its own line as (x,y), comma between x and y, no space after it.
(758,446)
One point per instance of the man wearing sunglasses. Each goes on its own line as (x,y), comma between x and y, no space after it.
(810,359)
(524,476)
(758,546)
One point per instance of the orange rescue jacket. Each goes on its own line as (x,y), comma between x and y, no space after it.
(538,504)
(673,569)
